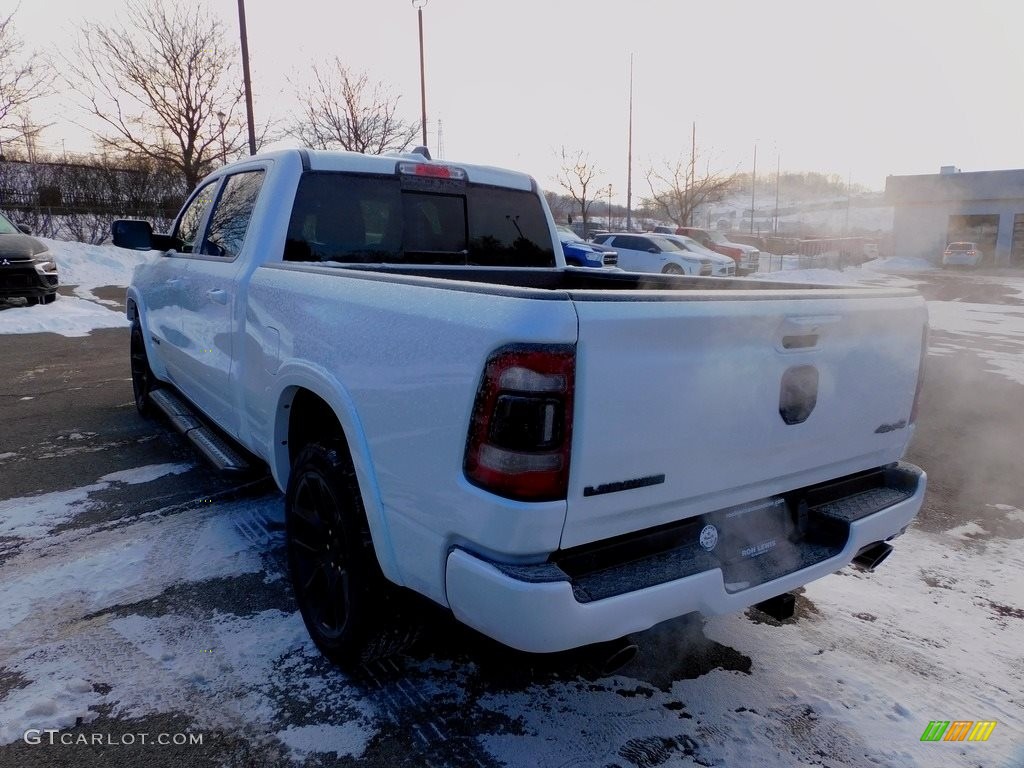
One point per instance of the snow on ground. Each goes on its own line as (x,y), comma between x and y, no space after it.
(899,264)
(878,272)
(92,266)
(1000,328)
(86,267)
(228,670)
(68,316)
(854,682)
(33,516)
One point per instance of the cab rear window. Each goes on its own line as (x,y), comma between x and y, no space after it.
(382,220)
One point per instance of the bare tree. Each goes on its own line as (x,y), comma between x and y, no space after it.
(342,108)
(23,78)
(164,85)
(577,176)
(677,191)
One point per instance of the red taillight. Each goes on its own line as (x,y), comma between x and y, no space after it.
(521,430)
(920,375)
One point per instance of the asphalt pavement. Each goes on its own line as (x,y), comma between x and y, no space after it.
(67,420)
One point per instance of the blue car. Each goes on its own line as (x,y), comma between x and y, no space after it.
(579,253)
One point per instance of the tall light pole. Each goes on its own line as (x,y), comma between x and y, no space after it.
(609,205)
(246,79)
(223,119)
(418,5)
(778,167)
(753,190)
(629,154)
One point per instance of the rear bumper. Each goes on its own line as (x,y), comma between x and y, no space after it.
(537,608)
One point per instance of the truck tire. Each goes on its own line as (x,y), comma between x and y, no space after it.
(342,595)
(143,380)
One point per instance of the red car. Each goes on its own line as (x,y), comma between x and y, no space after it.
(747,257)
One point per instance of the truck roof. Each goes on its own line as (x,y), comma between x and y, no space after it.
(355,162)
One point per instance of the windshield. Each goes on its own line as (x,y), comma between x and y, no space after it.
(666,245)
(961,246)
(567,235)
(6,227)
(689,243)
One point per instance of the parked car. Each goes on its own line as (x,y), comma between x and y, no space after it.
(27,268)
(557,457)
(747,257)
(579,253)
(961,255)
(721,266)
(653,253)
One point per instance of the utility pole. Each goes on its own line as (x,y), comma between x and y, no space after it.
(693,173)
(629,154)
(418,5)
(775,218)
(846,227)
(753,190)
(246,79)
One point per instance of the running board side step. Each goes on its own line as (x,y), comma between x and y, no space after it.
(215,448)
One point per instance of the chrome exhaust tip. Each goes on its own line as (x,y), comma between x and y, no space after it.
(872,556)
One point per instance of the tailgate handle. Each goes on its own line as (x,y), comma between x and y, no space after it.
(806,341)
(804,331)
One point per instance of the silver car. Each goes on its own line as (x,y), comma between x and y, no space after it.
(961,255)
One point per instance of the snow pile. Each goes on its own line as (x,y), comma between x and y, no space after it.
(68,316)
(92,266)
(86,267)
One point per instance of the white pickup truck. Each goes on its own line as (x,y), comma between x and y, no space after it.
(559,456)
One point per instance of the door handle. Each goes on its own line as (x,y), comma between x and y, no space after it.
(218,295)
(174,280)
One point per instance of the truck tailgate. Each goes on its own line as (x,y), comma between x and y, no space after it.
(688,406)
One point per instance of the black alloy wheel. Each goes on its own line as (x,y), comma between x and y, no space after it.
(143,381)
(337,582)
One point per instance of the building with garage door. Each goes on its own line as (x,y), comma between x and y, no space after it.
(982,207)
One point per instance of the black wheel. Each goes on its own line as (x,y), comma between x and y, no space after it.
(49,298)
(338,585)
(672,269)
(31,301)
(143,380)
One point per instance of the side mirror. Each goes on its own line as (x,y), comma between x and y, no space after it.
(654,250)
(132,233)
(25,229)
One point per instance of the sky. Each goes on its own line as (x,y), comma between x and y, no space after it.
(861,89)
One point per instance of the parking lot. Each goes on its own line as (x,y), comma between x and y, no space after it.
(143,593)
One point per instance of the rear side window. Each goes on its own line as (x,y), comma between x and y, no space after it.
(379,219)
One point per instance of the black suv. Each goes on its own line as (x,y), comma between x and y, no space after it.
(27,268)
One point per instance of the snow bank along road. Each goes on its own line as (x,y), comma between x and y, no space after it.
(141,594)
